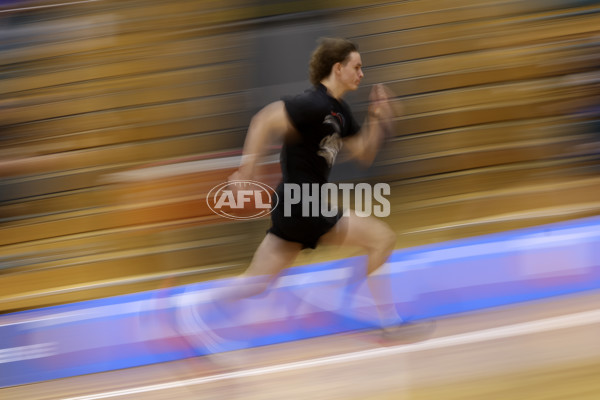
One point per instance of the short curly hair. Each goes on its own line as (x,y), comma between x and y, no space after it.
(329,52)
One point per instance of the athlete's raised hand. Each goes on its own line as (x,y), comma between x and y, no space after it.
(380,99)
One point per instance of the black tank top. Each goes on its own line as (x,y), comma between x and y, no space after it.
(322,122)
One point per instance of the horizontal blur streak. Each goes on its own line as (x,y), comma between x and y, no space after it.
(117,118)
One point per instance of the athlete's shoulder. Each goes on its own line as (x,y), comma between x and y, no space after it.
(311,99)
(306,109)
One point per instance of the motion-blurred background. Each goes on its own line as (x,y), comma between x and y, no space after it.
(117,117)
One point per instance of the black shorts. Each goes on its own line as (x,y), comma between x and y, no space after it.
(296,228)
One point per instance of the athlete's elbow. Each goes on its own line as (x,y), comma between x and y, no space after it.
(359,153)
(365,159)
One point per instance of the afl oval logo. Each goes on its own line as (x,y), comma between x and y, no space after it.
(242,199)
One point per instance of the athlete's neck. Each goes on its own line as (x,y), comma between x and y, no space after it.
(334,89)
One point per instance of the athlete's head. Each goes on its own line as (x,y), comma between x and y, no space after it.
(339,57)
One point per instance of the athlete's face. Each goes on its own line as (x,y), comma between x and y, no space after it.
(351,72)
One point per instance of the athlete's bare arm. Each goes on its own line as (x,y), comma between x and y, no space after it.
(364,145)
(268,125)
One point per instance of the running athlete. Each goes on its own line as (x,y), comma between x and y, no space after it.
(313,126)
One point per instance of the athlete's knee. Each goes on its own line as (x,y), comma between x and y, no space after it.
(384,244)
(258,285)
(386,240)
(381,243)
(249,286)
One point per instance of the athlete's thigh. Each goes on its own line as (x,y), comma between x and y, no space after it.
(272,256)
(354,230)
